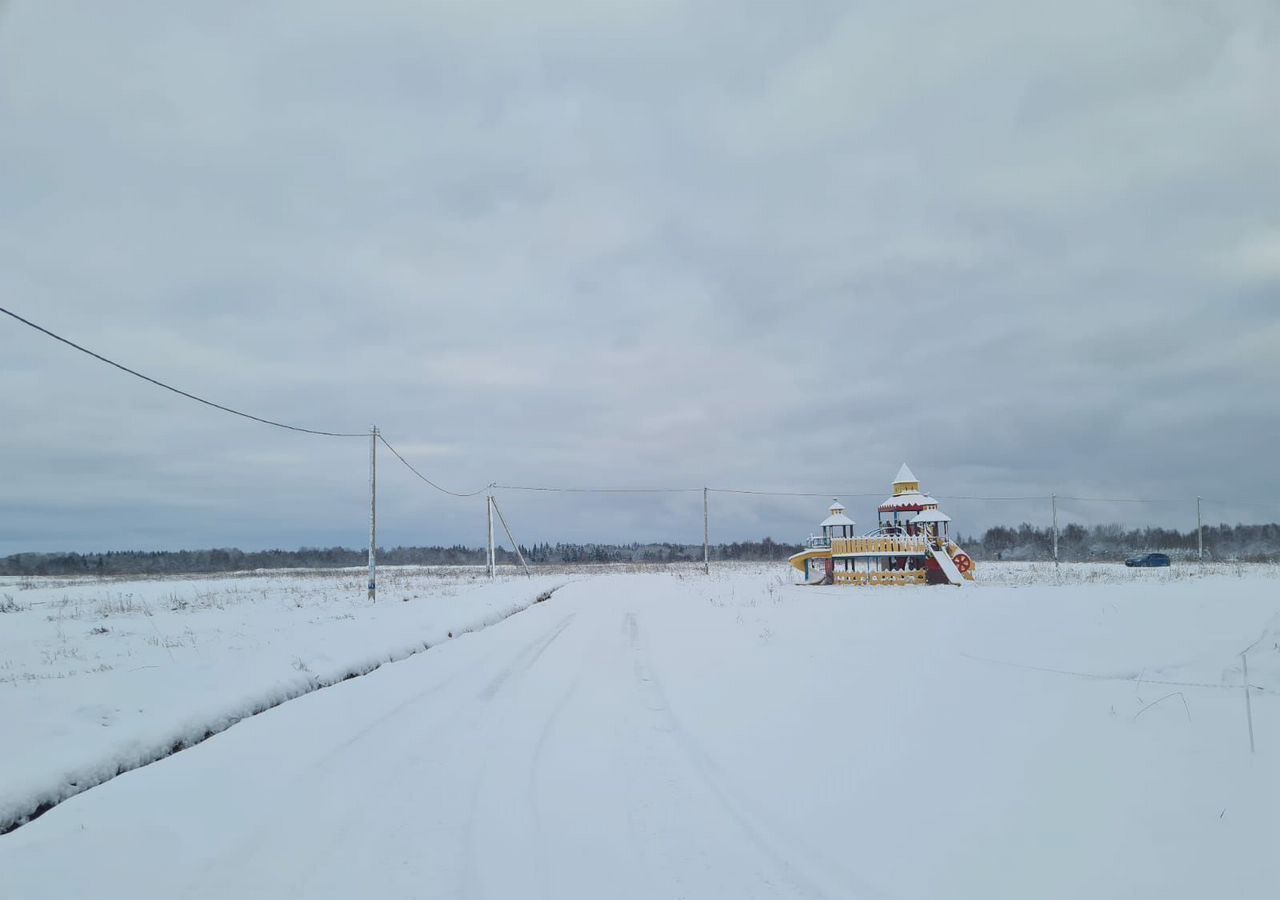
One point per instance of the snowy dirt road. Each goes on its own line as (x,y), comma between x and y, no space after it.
(657,736)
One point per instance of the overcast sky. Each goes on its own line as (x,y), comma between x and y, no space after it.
(1026,247)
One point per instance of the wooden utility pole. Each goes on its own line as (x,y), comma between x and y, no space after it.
(488,504)
(373,512)
(1053,498)
(706,532)
(1199,531)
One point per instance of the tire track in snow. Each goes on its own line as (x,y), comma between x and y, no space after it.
(367,818)
(526,659)
(535,766)
(471,883)
(802,883)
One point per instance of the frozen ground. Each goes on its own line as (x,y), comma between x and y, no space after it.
(669,735)
(98,677)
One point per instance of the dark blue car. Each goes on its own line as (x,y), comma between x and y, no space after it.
(1148,560)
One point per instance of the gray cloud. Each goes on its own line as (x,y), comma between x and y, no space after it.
(1026,249)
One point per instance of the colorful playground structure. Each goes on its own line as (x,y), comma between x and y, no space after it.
(910,545)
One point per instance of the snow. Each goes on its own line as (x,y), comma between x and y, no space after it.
(905,476)
(107,676)
(931,515)
(910,498)
(1048,733)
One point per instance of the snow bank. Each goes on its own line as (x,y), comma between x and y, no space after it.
(101,677)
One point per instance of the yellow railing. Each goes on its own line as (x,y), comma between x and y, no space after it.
(905,577)
(846,546)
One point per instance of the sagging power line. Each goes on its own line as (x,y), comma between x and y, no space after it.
(795,493)
(443,490)
(373,434)
(594,490)
(178,391)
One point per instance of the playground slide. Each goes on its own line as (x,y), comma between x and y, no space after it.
(948,567)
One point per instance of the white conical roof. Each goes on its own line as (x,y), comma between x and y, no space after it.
(905,476)
(837,516)
(835,507)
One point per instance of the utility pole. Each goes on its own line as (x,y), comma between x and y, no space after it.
(1199,531)
(488,503)
(373,512)
(706,532)
(1053,498)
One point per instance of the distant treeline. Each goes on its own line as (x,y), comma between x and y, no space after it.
(1246,543)
(164,562)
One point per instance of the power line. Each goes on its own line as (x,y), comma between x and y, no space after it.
(572,490)
(999,499)
(1117,499)
(795,493)
(169,387)
(857,494)
(410,467)
(830,493)
(1234,503)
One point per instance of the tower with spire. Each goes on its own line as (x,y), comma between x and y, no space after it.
(906,502)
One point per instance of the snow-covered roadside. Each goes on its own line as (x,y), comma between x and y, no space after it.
(100,677)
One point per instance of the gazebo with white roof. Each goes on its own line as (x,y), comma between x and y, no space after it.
(932,522)
(837,525)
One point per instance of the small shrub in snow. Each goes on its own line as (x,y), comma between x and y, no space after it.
(56,654)
(9,605)
(122,605)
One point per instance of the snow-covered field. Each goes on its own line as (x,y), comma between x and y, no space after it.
(1042,734)
(98,677)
